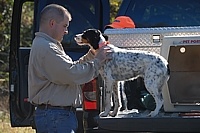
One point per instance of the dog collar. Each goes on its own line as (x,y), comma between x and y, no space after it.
(103,44)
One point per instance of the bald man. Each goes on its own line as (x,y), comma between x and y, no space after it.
(53,78)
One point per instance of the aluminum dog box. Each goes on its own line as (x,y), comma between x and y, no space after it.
(182,91)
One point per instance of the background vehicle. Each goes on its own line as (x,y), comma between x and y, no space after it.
(95,14)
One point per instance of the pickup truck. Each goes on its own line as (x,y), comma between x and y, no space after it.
(158,25)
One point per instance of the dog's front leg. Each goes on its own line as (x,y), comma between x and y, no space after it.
(108,93)
(116,99)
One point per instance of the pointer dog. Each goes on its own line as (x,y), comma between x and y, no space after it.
(125,65)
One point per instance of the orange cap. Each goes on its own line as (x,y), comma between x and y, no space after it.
(122,22)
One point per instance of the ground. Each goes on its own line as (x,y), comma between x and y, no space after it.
(5,126)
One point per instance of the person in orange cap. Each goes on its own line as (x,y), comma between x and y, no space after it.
(121,22)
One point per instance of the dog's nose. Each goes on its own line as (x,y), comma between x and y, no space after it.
(76,36)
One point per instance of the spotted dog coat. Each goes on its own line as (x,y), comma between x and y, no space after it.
(128,64)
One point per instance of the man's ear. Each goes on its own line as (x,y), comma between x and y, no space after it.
(105,36)
(51,23)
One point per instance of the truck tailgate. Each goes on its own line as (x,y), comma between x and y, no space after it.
(165,122)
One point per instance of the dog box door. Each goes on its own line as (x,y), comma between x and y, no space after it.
(182,91)
(184,82)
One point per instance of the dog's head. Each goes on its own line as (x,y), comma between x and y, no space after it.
(92,37)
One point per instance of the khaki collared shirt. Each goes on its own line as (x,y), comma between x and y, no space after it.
(53,78)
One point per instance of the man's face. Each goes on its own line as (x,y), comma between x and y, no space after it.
(60,29)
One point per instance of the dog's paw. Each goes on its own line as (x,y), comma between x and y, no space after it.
(152,114)
(113,114)
(103,114)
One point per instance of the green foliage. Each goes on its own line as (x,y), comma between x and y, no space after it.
(5,30)
(5,21)
(114,7)
(26,24)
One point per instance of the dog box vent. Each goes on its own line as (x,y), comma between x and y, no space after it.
(182,91)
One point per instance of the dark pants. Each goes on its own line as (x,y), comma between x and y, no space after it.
(55,121)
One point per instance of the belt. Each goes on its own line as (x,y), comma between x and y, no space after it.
(48,106)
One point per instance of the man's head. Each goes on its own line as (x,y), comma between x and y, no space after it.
(54,21)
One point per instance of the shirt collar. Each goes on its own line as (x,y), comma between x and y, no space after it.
(47,37)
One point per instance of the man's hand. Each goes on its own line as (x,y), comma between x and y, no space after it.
(103,54)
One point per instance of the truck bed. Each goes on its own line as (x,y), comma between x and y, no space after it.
(177,115)
(164,122)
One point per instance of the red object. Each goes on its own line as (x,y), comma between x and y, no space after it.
(89,95)
(121,22)
(25,99)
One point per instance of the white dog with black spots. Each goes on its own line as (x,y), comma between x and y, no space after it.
(125,65)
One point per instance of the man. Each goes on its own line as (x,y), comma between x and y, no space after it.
(53,78)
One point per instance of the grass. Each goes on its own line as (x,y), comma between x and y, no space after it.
(5,126)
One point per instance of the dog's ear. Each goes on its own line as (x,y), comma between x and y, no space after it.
(105,36)
(93,37)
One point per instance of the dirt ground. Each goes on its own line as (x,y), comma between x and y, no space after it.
(5,126)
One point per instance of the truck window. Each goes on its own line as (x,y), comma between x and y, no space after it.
(164,13)
(26,29)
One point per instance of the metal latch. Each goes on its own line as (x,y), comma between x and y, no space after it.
(156,38)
